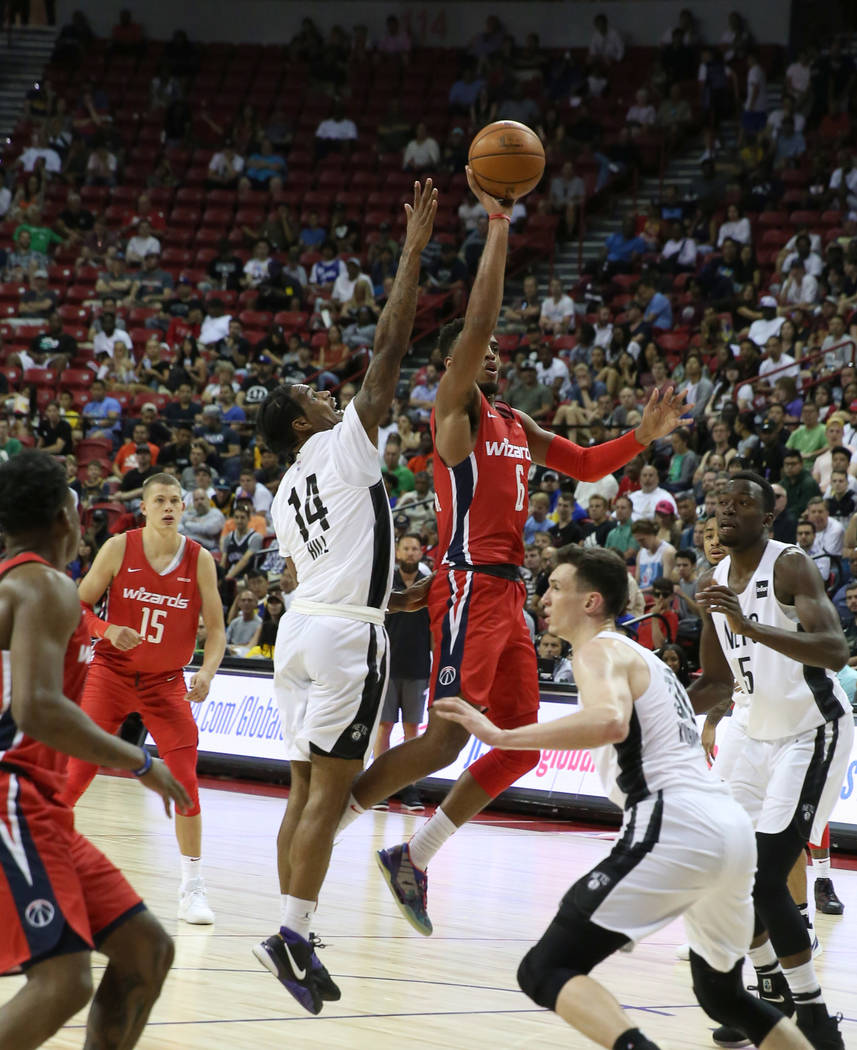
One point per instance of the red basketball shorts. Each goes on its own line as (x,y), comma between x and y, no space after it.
(51,876)
(483,650)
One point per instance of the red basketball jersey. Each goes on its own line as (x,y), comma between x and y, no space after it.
(482,502)
(163,607)
(20,753)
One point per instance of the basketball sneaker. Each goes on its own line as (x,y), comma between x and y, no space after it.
(193,904)
(290,959)
(384,804)
(823,1031)
(408,885)
(328,991)
(826,900)
(410,800)
(683,952)
(773,989)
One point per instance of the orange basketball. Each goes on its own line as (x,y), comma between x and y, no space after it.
(507,159)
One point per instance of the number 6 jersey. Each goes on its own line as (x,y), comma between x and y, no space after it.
(332,518)
(786,698)
(163,607)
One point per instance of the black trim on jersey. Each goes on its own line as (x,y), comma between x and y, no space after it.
(590,891)
(815,778)
(821,687)
(8,730)
(382,546)
(631,780)
(501,570)
(355,740)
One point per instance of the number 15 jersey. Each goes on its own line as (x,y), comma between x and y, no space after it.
(332,517)
(163,606)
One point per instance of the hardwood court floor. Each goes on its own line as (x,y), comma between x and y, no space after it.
(492,891)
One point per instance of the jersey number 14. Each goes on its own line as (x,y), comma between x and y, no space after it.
(313,508)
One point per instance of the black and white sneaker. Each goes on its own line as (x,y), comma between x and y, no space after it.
(826,900)
(329,992)
(290,959)
(410,800)
(774,989)
(823,1031)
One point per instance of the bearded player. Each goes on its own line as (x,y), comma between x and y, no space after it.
(483,651)
(59,896)
(157,581)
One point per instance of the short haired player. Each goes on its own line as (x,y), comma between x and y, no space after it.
(768,623)
(332,518)
(686,847)
(59,896)
(157,583)
(482,648)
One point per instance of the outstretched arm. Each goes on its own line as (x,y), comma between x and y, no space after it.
(393,332)
(663,413)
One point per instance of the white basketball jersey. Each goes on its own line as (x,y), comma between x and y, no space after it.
(332,518)
(786,698)
(662,749)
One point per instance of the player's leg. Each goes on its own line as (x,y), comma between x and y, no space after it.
(168,716)
(107,699)
(56,988)
(412,701)
(797,891)
(299,775)
(826,900)
(139,953)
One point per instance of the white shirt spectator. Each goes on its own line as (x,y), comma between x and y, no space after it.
(739,231)
(139,247)
(343,286)
(421,155)
(761,331)
(257,270)
(336,129)
(204,528)
(786,366)
(103,344)
(31,155)
(606,45)
(261,499)
(641,115)
(555,312)
(469,212)
(829,541)
(849,176)
(607,487)
(684,252)
(214,329)
(814,246)
(812,263)
(756,79)
(841,356)
(603,336)
(775,120)
(797,78)
(557,369)
(643,503)
(220,164)
(795,290)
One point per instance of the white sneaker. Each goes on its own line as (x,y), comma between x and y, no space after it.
(193,904)
(817,946)
(683,952)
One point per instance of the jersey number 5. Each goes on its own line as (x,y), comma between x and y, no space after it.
(313,509)
(152,627)
(746,673)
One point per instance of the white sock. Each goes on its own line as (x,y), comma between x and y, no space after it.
(804,984)
(190,869)
(353,809)
(297,914)
(430,837)
(764,958)
(821,868)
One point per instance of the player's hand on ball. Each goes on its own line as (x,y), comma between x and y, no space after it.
(662,414)
(456,710)
(421,216)
(160,780)
(489,203)
(123,638)
(199,686)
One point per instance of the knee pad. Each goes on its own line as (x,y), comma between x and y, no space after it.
(498,769)
(725,999)
(546,968)
(182,764)
(775,909)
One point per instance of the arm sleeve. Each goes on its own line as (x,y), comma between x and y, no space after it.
(94,624)
(591,464)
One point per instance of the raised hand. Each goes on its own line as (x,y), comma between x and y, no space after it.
(489,203)
(421,216)
(662,414)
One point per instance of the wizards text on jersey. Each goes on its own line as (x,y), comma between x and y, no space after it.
(507,449)
(140,594)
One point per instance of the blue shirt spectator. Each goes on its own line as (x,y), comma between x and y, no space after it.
(621,248)
(658,312)
(465,90)
(101,408)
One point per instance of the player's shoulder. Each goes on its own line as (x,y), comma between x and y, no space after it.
(40,584)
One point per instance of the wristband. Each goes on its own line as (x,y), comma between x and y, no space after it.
(146,766)
(500,215)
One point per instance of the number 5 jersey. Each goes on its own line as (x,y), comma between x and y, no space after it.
(786,698)
(332,517)
(163,607)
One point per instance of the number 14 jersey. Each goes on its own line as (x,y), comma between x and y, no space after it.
(332,517)
(163,607)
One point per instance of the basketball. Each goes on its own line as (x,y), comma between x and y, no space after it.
(507,159)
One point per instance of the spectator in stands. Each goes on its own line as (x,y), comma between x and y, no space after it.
(655,306)
(841,500)
(789,145)
(809,438)
(605,43)
(245,626)
(53,432)
(142,243)
(418,504)
(239,544)
(74,219)
(463,93)
(646,498)
(423,395)
(38,300)
(215,326)
(843,181)
(102,166)
(337,133)
(225,168)
(829,533)
(396,40)
(567,193)
(800,288)
(528,395)
(422,153)
(655,557)
(641,115)
(525,310)
(621,538)
(41,236)
(674,116)
(325,272)
(797,482)
(622,250)
(152,283)
(93,488)
(266,169)
(538,520)
(23,260)
(347,280)
(515,105)
(767,326)
(259,268)
(838,346)
(106,339)
(683,462)
(557,310)
(202,522)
